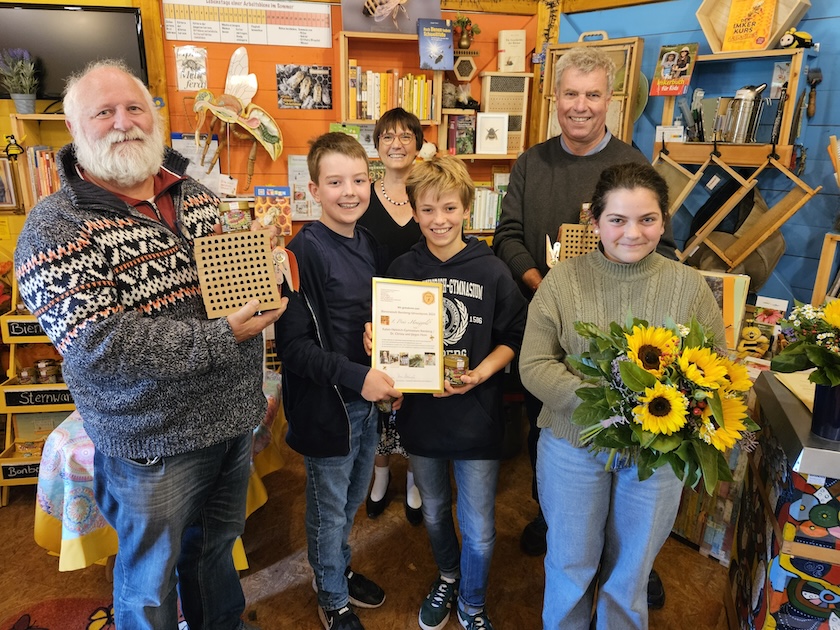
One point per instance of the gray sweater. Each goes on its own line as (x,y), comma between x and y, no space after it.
(118,295)
(547,187)
(591,288)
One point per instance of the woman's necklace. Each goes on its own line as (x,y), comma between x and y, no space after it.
(384,194)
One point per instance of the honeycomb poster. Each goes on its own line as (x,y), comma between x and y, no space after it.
(304,87)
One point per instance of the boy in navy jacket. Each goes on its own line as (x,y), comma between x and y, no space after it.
(328,385)
(484,319)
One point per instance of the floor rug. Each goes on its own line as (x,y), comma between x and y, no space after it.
(68,614)
(63,614)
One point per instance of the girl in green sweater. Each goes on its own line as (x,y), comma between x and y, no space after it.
(604,526)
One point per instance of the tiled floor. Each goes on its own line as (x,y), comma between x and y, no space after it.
(389,550)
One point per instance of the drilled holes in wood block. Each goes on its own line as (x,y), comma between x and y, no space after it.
(234,269)
(576,240)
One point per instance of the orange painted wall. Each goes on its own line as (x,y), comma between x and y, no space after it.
(300,126)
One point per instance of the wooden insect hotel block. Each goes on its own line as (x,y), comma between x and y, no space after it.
(235,268)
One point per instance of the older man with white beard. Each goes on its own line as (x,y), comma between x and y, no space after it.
(168,396)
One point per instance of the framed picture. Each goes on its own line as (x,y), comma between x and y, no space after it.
(491,133)
(8,195)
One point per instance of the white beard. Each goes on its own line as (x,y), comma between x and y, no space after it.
(124,164)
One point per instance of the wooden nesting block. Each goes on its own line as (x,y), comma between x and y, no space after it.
(235,268)
(576,240)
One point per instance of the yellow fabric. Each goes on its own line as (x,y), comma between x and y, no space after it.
(799,385)
(98,545)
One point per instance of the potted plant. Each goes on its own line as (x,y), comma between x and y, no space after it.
(17,74)
(464,30)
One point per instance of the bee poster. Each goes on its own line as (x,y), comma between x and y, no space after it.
(304,87)
(386,16)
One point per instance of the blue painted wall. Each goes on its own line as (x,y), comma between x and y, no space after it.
(674,21)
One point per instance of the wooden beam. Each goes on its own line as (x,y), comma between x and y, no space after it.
(579,6)
(153,39)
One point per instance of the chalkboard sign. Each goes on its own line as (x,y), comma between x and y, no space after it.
(32,397)
(12,472)
(25,329)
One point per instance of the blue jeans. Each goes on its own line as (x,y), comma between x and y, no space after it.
(600,517)
(335,488)
(476,480)
(183,512)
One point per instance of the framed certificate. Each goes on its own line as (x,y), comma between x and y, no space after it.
(408,334)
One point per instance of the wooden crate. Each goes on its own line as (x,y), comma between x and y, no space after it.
(713,16)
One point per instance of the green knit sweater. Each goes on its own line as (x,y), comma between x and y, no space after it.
(592,288)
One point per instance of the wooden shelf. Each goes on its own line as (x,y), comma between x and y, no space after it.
(34,129)
(382,52)
(732,154)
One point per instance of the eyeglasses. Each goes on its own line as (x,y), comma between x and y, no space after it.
(404,138)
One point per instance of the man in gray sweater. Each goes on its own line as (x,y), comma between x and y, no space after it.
(169,397)
(550,184)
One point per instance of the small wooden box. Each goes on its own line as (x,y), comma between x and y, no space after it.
(713,16)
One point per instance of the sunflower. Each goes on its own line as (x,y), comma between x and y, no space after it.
(663,409)
(702,367)
(723,436)
(736,378)
(831,313)
(653,349)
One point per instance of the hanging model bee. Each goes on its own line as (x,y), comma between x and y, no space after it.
(381,9)
(235,111)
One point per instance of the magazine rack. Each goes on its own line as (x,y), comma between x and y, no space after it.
(680,180)
(769,222)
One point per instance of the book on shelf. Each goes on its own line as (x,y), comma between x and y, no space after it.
(674,66)
(273,206)
(749,25)
(464,134)
(511,51)
(434,38)
(353,88)
(730,291)
(43,175)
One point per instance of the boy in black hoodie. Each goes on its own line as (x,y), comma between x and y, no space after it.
(484,319)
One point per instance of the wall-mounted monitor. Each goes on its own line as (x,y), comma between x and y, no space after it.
(64,39)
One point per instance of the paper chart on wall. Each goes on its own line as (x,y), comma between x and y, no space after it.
(186,146)
(301,24)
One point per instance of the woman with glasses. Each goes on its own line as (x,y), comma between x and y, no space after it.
(398,137)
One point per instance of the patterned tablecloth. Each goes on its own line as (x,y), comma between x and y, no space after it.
(67,520)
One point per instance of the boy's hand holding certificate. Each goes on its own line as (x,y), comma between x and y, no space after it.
(408,334)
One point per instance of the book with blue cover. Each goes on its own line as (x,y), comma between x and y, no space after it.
(435,44)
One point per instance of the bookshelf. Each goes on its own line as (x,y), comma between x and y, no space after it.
(400,68)
(31,130)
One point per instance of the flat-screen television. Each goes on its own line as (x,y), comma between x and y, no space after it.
(64,39)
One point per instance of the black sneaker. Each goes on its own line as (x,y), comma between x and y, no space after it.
(434,613)
(341,619)
(656,591)
(363,592)
(532,541)
(477,621)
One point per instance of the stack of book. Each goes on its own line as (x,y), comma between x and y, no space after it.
(487,205)
(374,93)
(461,140)
(43,175)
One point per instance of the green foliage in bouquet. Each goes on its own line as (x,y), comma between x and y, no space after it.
(813,334)
(662,395)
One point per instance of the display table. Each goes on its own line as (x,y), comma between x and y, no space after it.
(68,522)
(785,570)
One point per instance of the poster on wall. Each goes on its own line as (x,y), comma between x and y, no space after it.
(304,206)
(386,16)
(191,68)
(298,24)
(304,87)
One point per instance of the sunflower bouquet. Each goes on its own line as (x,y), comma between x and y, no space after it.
(662,395)
(813,336)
